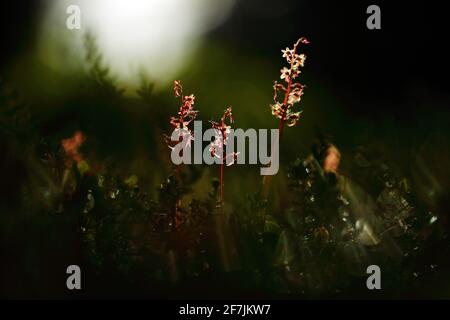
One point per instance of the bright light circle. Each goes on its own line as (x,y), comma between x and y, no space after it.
(154,37)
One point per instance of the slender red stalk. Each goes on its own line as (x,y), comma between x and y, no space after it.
(221,180)
(222,165)
(281,129)
(181,122)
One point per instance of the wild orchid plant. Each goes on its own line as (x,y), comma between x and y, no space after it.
(180,124)
(292,89)
(186,115)
(217,147)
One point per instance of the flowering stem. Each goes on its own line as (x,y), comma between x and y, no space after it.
(284,112)
(218,146)
(185,116)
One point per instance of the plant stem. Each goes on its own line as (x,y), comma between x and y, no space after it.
(222,164)
(221,180)
(280,129)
